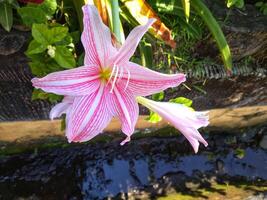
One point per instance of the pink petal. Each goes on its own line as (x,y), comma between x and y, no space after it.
(88,117)
(61,107)
(128,48)
(182,118)
(122,104)
(79,81)
(144,81)
(96,38)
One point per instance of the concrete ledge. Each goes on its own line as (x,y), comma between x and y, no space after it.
(226,118)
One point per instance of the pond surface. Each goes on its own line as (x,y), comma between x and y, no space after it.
(145,168)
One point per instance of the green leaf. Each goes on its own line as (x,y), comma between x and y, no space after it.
(216,31)
(40,94)
(186,6)
(237,3)
(153,117)
(6,16)
(182,100)
(47,36)
(31,15)
(49,7)
(146,54)
(42,65)
(240,153)
(64,57)
(158,97)
(259,4)
(80,61)
(35,48)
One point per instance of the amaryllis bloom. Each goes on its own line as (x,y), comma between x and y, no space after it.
(107,85)
(181,117)
(32,1)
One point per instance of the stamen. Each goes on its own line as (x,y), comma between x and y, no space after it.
(114,80)
(121,74)
(112,72)
(128,79)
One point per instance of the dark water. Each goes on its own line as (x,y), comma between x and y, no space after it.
(142,168)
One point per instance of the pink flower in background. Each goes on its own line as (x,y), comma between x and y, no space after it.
(181,117)
(107,85)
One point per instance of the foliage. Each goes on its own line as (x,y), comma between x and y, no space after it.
(55,31)
(52,47)
(216,31)
(6,13)
(236,3)
(262,6)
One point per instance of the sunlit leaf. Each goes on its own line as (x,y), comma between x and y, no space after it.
(153,117)
(141,11)
(102,9)
(182,100)
(186,5)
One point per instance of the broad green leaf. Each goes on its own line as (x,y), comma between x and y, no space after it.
(6,16)
(31,15)
(186,6)
(182,100)
(44,35)
(216,31)
(153,117)
(35,48)
(64,57)
(158,96)
(39,33)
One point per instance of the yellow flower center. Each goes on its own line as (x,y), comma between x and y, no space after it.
(105,74)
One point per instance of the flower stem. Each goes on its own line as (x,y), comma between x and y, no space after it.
(116,19)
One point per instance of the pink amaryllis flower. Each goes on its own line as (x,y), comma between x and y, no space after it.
(108,83)
(183,118)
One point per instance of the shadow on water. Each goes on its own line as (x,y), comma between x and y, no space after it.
(143,169)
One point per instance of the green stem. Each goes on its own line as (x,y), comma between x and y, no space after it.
(116,19)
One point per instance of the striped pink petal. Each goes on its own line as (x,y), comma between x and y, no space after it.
(144,81)
(96,38)
(88,117)
(128,48)
(182,118)
(123,105)
(74,82)
(61,108)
